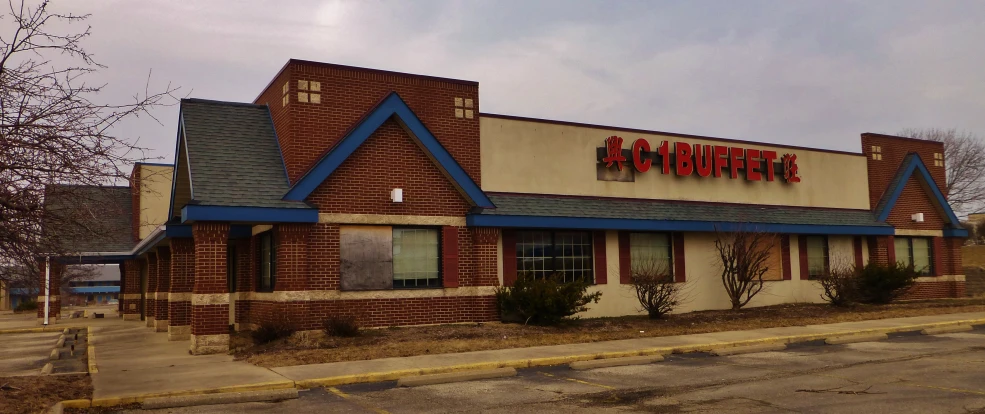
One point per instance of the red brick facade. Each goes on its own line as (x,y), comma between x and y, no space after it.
(131,289)
(54,286)
(150,303)
(163,282)
(182,281)
(210,278)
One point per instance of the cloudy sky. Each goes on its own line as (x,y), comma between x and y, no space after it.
(814,73)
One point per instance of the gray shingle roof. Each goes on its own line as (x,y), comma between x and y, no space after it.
(590,207)
(233,155)
(89,219)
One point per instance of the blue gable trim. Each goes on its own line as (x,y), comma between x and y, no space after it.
(392,105)
(194,212)
(953,232)
(916,165)
(667,225)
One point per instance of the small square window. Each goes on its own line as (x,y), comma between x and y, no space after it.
(938,156)
(303,85)
(877,157)
(469,114)
(468,102)
(315,98)
(314,86)
(458,102)
(459,113)
(876,148)
(302,97)
(286,87)
(285,100)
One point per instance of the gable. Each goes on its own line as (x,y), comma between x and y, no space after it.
(389,159)
(390,108)
(915,199)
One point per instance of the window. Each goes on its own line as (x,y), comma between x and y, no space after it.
(650,253)
(817,256)
(415,258)
(267,261)
(544,253)
(915,252)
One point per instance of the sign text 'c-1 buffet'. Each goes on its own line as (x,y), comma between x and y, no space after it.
(701,160)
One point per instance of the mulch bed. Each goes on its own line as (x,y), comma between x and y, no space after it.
(35,394)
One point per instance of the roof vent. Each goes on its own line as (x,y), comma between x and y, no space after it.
(917,217)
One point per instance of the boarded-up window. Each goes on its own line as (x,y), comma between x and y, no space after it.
(366,256)
(775,262)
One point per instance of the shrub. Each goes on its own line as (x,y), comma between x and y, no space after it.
(543,300)
(271,330)
(840,285)
(27,305)
(344,326)
(655,288)
(881,284)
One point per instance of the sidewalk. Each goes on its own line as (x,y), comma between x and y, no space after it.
(135,362)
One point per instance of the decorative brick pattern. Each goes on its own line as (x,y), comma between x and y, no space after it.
(55,286)
(306,131)
(484,252)
(210,278)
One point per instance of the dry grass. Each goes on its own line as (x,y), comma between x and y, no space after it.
(38,393)
(400,342)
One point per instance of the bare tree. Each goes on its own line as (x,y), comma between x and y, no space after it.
(55,136)
(744,256)
(840,284)
(964,160)
(655,287)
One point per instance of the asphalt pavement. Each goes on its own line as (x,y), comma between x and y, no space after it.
(909,373)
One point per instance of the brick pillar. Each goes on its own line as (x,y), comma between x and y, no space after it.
(123,286)
(210,295)
(54,288)
(881,250)
(244,281)
(150,300)
(131,290)
(163,289)
(292,271)
(180,294)
(485,262)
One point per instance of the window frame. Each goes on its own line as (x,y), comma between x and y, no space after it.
(553,257)
(670,251)
(909,248)
(827,255)
(269,234)
(438,283)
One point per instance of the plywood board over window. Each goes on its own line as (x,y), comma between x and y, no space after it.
(775,262)
(366,257)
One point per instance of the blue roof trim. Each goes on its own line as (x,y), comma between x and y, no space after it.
(110,259)
(193,212)
(392,105)
(95,289)
(953,232)
(587,223)
(915,164)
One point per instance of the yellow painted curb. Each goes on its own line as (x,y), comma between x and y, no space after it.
(263,386)
(537,362)
(76,403)
(91,351)
(49,328)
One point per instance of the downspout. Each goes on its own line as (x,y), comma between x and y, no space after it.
(47,288)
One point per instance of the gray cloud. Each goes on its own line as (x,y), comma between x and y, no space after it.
(806,73)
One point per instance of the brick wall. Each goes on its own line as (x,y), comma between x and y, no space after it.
(211,241)
(182,280)
(292,256)
(132,286)
(163,281)
(323,255)
(894,149)
(376,312)
(55,287)
(150,302)
(135,202)
(307,130)
(935,290)
(484,267)
(975,284)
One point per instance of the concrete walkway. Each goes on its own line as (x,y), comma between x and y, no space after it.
(325,372)
(133,361)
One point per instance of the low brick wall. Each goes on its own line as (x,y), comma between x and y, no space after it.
(975,281)
(935,290)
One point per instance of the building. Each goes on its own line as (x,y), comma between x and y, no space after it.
(392,198)
(102,288)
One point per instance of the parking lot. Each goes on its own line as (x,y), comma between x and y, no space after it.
(909,373)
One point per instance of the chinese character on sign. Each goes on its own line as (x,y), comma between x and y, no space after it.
(790,168)
(613,147)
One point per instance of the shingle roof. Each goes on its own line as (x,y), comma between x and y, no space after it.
(591,207)
(89,219)
(233,155)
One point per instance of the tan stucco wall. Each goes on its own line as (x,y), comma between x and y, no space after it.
(536,157)
(704,289)
(155,196)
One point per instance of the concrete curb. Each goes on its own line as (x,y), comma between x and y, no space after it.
(54,354)
(946,330)
(47,369)
(49,328)
(263,386)
(749,349)
(223,398)
(58,408)
(536,362)
(419,380)
(614,362)
(91,352)
(851,339)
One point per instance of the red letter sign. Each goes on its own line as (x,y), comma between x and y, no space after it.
(752,174)
(768,158)
(664,152)
(790,168)
(734,162)
(640,146)
(703,162)
(685,165)
(613,146)
(720,161)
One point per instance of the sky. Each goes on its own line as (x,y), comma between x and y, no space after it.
(808,73)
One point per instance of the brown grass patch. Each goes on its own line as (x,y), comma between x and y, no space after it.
(38,393)
(401,342)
